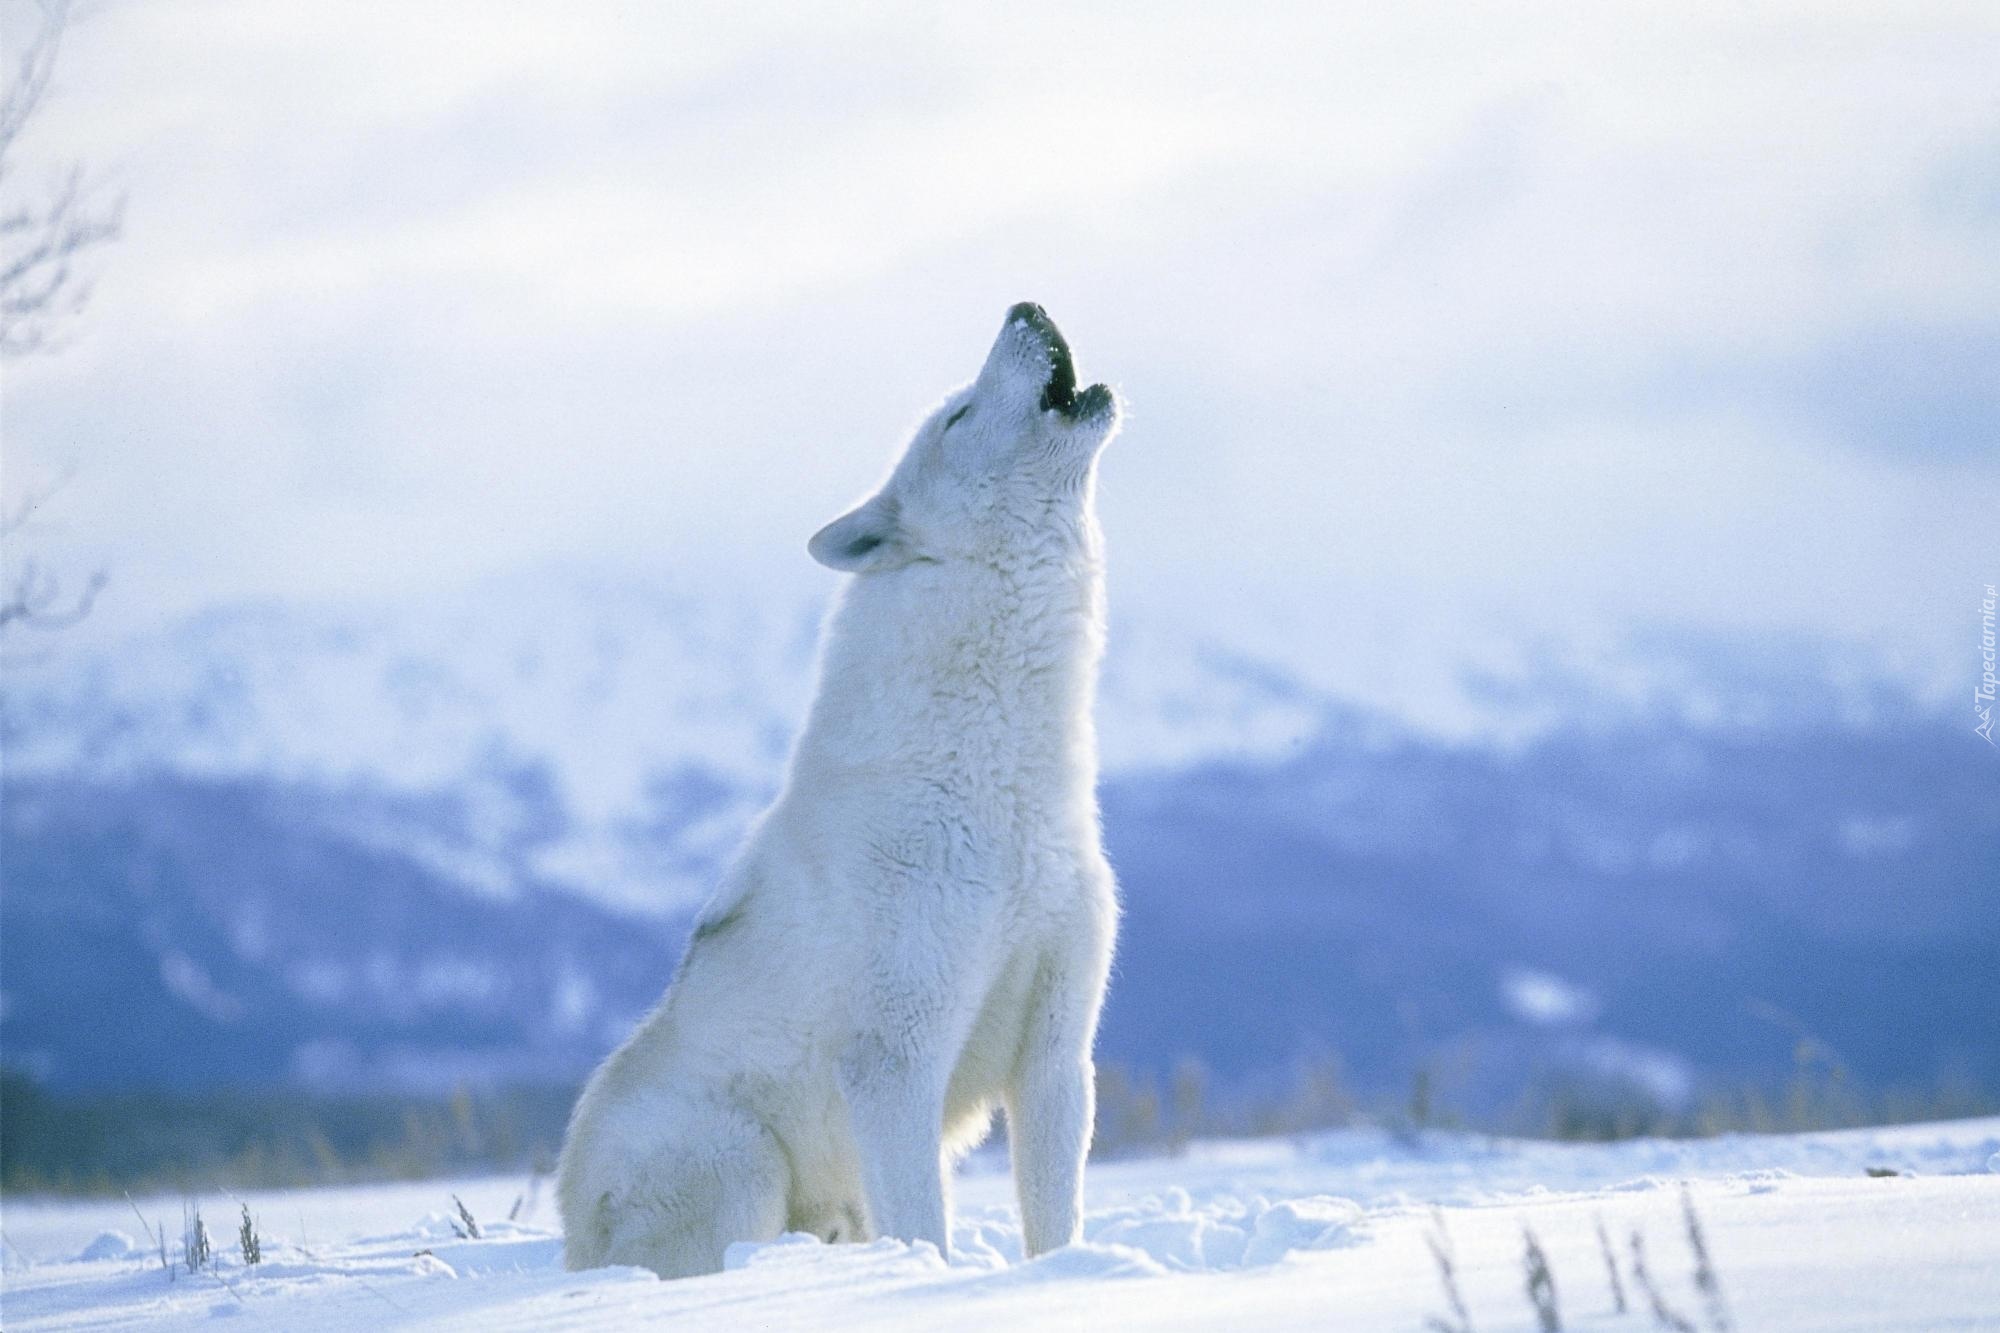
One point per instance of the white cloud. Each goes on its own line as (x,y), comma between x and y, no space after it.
(1424,313)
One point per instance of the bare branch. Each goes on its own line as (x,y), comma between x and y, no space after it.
(42,288)
(34,599)
(32,70)
(41,240)
(31,597)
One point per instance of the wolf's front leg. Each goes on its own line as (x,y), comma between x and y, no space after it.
(1052,1098)
(896,1105)
(1052,1101)
(1049,1116)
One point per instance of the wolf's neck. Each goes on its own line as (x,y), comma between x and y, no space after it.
(993,667)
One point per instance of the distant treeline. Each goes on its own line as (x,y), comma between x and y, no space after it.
(266,1138)
(286,1138)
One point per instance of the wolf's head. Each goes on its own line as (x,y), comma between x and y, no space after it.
(1002,463)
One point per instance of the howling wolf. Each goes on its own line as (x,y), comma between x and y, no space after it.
(920,927)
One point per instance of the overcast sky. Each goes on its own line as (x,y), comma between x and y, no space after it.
(1560,314)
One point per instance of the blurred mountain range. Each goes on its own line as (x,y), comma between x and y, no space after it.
(348,848)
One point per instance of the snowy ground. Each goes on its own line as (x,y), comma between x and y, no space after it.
(1332,1232)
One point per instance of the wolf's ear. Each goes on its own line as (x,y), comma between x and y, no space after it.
(867,538)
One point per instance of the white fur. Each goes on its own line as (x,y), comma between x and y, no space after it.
(920,928)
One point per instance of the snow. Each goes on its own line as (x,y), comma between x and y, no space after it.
(1331,1231)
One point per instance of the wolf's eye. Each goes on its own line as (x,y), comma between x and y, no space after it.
(952,420)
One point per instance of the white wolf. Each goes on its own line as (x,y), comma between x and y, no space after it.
(921,926)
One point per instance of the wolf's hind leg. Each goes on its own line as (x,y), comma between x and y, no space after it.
(834,1222)
(713,1190)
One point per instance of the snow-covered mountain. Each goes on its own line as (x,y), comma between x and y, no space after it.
(652,715)
(611,699)
(352,845)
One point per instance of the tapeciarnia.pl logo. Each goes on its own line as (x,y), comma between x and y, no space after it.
(1982,698)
